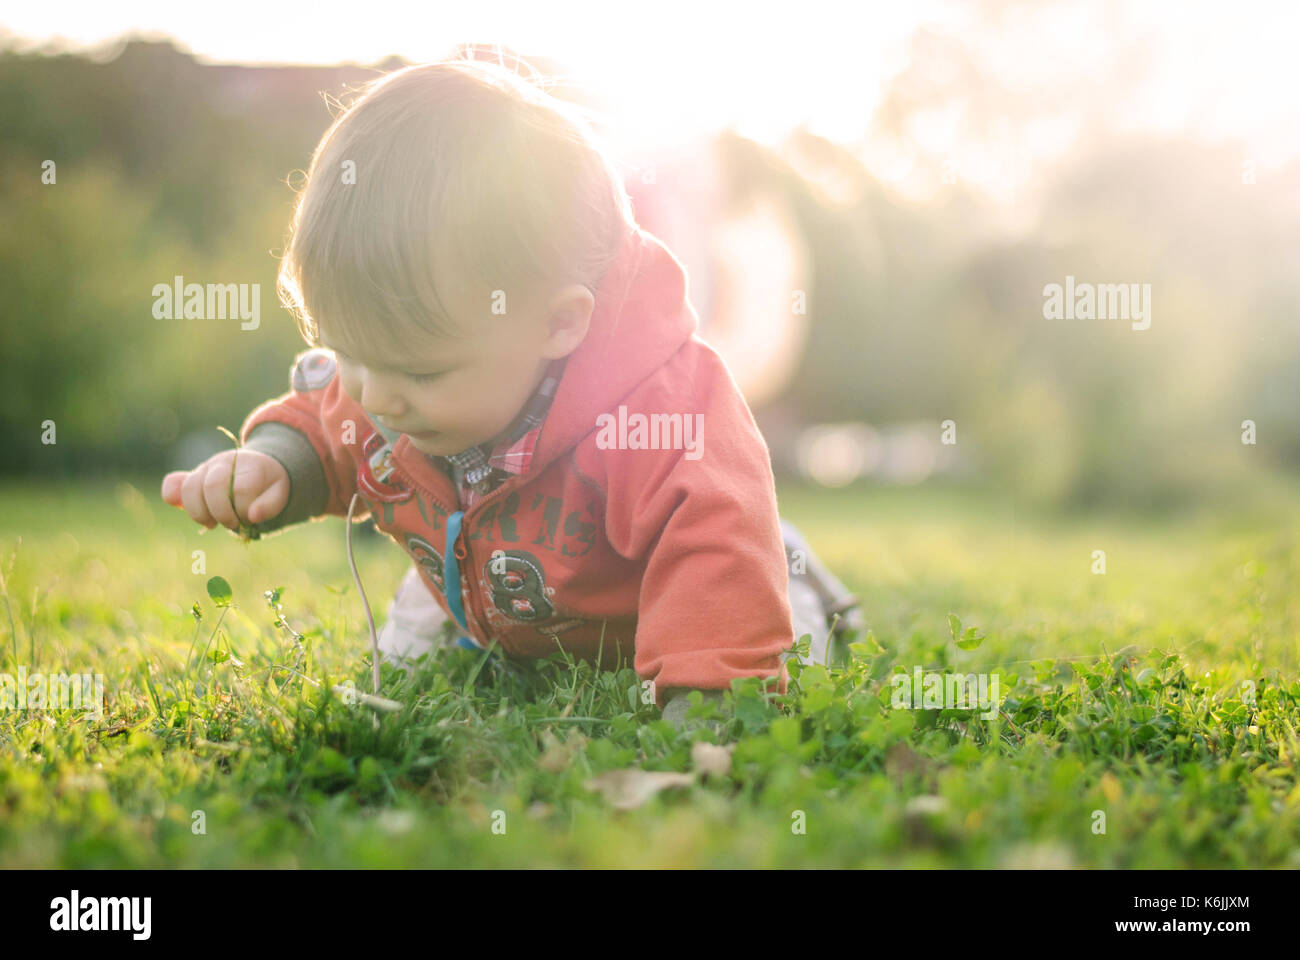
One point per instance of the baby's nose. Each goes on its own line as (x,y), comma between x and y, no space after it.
(380,396)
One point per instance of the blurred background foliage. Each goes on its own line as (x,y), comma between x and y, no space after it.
(921,309)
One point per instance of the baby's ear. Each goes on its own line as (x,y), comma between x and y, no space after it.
(567,320)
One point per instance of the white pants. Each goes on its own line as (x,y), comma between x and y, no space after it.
(417,624)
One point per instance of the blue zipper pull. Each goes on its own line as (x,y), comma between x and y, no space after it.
(451,576)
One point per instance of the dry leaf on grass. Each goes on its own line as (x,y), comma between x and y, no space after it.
(629,789)
(711,760)
(925,805)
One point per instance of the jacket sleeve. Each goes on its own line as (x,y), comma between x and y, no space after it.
(714,597)
(305,430)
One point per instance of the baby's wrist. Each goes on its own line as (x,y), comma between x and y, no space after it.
(308,488)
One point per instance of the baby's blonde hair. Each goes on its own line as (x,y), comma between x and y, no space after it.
(463,156)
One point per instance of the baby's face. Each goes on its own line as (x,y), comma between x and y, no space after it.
(451,393)
(446,394)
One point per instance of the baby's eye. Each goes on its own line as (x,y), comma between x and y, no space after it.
(425,377)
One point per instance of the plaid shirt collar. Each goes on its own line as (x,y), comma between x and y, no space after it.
(486,466)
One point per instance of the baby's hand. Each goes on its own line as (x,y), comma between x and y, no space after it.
(261,489)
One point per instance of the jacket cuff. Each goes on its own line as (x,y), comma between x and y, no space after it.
(308,489)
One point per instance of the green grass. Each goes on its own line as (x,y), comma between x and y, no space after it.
(1122,693)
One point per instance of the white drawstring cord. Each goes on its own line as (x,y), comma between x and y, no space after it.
(370,619)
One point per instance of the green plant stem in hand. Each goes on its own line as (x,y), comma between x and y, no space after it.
(246,531)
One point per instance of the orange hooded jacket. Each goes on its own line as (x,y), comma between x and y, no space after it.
(633,531)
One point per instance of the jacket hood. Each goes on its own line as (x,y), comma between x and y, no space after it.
(641,318)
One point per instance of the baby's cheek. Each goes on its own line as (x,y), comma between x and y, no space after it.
(498,412)
(350,382)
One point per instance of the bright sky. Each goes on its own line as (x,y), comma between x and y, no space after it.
(673,67)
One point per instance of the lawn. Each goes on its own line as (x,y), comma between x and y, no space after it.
(1148,714)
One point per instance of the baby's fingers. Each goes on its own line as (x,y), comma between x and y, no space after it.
(271,502)
(192,498)
(216,492)
(171,487)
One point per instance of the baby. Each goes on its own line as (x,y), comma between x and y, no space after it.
(507,376)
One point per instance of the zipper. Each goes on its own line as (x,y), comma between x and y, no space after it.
(476,609)
(474,595)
